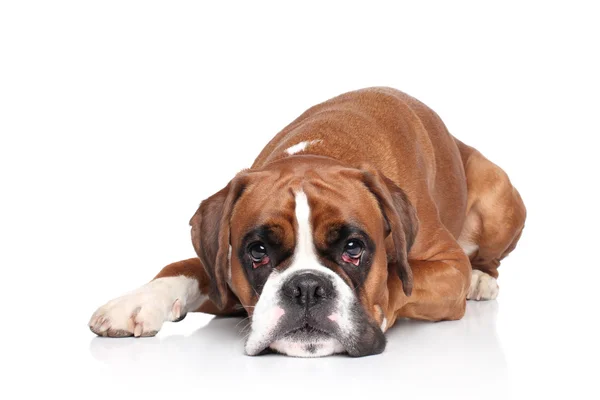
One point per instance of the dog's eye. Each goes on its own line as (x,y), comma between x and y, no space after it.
(352,252)
(353,248)
(258,253)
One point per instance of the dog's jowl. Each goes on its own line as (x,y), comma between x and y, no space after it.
(363,210)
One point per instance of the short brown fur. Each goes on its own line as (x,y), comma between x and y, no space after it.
(453,194)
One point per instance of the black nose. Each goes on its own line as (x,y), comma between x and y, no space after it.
(308,289)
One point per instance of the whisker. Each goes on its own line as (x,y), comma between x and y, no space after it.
(242,320)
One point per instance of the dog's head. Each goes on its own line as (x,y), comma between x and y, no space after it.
(310,249)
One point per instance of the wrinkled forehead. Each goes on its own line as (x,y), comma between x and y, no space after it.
(330,200)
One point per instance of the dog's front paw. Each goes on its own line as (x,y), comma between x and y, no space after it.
(139,313)
(483,286)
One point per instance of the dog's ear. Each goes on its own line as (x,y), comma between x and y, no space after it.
(401,221)
(210,235)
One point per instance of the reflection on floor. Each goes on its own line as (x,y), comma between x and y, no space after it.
(424,358)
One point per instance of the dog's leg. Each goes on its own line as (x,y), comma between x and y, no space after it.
(483,286)
(495,218)
(440,286)
(178,288)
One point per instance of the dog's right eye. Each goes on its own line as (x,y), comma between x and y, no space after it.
(258,253)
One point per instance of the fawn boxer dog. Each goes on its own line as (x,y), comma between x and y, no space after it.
(361,211)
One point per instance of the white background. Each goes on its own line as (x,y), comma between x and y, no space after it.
(117,118)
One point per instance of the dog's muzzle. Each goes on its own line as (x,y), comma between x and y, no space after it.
(312,313)
(305,291)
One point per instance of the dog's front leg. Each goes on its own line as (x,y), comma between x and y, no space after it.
(440,284)
(178,288)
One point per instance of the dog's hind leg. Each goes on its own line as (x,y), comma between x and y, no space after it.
(494,221)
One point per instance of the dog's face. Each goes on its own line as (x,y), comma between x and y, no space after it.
(308,248)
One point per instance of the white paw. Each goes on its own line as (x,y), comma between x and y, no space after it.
(483,286)
(139,313)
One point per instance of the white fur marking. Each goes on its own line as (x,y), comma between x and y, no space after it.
(384,324)
(144,310)
(304,259)
(298,147)
(323,347)
(483,286)
(468,248)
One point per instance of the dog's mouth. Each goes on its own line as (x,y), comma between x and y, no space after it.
(307,341)
(307,332)
(302,338)
(308,336)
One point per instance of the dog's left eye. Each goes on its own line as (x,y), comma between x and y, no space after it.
(258,254)
(352,252)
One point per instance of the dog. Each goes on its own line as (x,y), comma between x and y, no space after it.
(363,210)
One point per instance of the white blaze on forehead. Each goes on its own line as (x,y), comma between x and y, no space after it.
(304,254)
(298,147)
(304,259)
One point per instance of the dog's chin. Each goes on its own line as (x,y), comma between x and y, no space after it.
(307,342)
(319,340)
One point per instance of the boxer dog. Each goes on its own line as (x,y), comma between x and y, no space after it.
(361,211)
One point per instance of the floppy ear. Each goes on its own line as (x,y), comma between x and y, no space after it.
(401,221)
(210,235)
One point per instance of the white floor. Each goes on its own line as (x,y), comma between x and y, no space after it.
(501,349)
(206,354)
